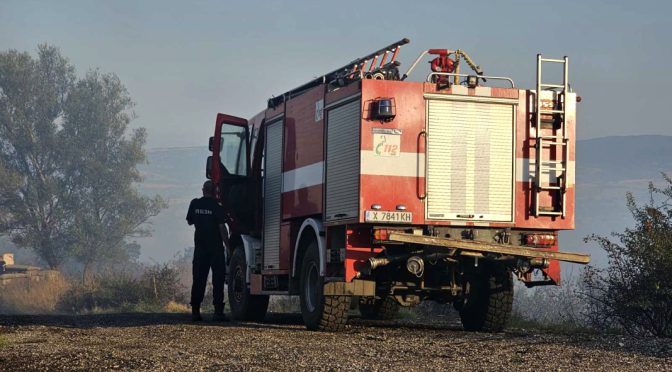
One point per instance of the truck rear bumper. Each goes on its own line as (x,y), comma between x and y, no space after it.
(481,247)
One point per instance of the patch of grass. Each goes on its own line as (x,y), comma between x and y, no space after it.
(30,296)
(176,307)
(4,342)
(149,292)
(137,307)
(407,313)
(520,322)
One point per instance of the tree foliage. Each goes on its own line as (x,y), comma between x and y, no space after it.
(32,97)
(100,159)
(634,292)
(68,161)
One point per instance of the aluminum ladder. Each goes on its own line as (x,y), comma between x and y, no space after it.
(559,141)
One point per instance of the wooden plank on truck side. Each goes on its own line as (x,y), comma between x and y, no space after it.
(475,246)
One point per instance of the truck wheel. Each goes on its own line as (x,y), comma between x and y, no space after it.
(320,312)
(244,306)
(488,304)
(385,308)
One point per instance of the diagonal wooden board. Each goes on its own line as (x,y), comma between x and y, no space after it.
(475,246)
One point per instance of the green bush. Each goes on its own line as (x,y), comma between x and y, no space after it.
(162,284)
(634,293)
(156,286)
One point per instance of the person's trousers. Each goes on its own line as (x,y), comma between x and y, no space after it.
(201,267)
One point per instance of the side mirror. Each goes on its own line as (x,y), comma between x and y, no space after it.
(208,166)
(211,143)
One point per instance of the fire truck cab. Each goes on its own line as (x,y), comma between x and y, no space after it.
(361,186)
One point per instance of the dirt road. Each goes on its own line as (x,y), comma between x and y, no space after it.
(169,342)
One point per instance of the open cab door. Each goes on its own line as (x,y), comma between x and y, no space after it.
(229,147)
(229,166)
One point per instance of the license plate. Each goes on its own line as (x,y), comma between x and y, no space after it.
(388,216)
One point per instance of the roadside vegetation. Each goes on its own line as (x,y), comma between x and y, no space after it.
(155,289)
(553,309)
(33,297)
(68,163)
(634,292)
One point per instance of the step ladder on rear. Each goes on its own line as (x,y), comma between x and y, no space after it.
(557,141)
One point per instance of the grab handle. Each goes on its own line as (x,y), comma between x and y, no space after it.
(421,187)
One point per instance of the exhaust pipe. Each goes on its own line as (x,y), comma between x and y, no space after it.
(374,263)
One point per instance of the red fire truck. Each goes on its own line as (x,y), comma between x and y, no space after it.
(361,186)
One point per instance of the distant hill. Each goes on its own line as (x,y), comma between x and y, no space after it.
(606,168)
(615,159)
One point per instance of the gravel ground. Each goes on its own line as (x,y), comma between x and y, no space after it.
(171,342)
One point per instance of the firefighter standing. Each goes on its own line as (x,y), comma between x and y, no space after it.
(210,236)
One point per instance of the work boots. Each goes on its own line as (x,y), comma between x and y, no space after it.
(219,314)
(196,313)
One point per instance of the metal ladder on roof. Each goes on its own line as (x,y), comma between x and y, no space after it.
(358,66)
(543,142)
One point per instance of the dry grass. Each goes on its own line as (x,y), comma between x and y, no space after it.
(32,297)
(3,341)
(175,307)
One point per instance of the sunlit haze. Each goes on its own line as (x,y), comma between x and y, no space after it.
(185,61)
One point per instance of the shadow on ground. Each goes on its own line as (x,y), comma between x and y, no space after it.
(139,320)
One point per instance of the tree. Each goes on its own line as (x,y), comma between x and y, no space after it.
(32,96)
(100,159)
(68,163)
(634,292)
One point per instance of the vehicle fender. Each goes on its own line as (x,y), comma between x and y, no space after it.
(311,226)
(250,245)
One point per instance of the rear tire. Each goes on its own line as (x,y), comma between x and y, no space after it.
(385,308)
(488,305)
(319,312)
(244,306)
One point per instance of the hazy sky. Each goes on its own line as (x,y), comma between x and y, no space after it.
(184,61)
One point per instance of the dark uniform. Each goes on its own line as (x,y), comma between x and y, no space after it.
(207,215)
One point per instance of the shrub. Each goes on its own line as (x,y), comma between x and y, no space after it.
(163,284)
(152,290)
(634,293)
(105,292)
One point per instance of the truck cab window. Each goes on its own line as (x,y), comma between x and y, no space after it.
(233,150)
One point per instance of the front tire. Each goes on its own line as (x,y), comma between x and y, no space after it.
(319,312)
(488,304)
(244,306)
